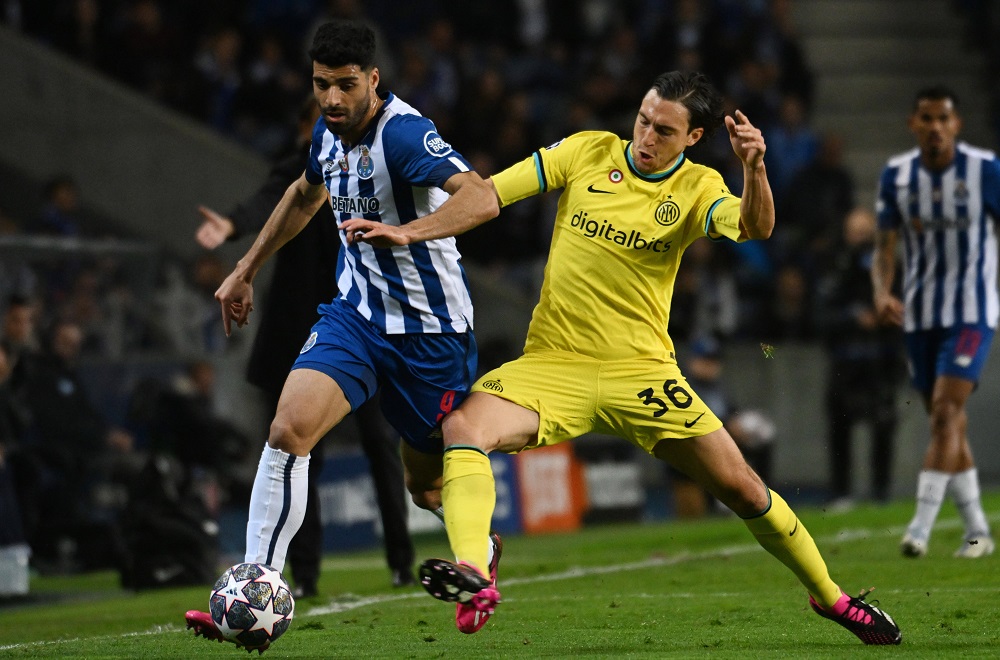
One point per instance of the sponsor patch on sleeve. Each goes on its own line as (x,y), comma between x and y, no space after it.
(435,145)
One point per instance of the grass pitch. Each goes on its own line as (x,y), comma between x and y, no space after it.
(665,590)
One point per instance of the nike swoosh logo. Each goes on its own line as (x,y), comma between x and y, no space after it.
(794,529)
(598,190)
(694,421)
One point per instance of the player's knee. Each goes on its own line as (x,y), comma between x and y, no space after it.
(459,429)
(744,492)
(286,438)
(945,415)
(426,499)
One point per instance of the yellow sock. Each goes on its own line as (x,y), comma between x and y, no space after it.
(781,534)
(468,497)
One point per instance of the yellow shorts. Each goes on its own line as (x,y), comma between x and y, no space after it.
(643,401)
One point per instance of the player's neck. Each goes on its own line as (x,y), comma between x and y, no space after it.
(938,161)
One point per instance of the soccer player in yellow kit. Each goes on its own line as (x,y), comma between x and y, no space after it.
(598,357)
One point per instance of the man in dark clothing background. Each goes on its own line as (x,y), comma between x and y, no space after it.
(865,364)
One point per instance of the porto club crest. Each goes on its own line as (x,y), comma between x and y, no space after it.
(365,165)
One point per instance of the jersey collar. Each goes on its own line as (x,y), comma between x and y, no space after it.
(652,178)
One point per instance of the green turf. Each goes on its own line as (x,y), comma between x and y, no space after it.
(669,590)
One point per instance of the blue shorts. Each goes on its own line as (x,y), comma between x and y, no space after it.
(958,351)
(422,376)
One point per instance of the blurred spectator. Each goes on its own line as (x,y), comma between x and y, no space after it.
(217,79)
(755,92)
(482,97)
(814,207)
(180,421)
(791,313)
(20,339)
(778,44)
(60,214)
(147,48)
(865,363)
(13,416)
(11,519)
(187,308)
(265,106)
(78,30)
(791,144)
(681,33)
(75,450)
(705,302)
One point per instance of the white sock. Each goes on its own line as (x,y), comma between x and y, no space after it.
(964,489)
(931,487)
(439,512)
(277,506)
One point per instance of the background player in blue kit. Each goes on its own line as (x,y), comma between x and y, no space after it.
(943,200)
(402,320)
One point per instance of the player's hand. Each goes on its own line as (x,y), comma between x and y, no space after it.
(236,298)
(747,140)
(214,228)
(889,310)
(376,234)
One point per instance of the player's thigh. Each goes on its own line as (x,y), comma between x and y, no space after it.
(311,404)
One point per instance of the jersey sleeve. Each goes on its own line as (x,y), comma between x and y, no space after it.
(991,187)
(718,209)
(544,170)
(415,151)
(886,209)
(314,174)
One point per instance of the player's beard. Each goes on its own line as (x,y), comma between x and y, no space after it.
(353,117)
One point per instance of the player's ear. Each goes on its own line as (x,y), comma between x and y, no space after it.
(373,78)
(694,136)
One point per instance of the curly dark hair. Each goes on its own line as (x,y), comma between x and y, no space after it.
(341,43)
(694,92)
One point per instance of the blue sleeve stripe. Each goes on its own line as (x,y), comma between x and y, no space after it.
(708,220)
(540,170)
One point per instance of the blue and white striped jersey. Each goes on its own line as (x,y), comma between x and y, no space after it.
(947,222)
(394,176)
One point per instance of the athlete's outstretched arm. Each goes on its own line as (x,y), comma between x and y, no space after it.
(297,206)
(473,201)
(757,203)
(888,307)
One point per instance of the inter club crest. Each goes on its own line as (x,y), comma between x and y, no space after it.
(365,165)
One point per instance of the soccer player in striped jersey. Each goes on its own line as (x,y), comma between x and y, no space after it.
(942,201)
(402,321)
(598,357)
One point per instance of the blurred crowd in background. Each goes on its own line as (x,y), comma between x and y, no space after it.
(499,79)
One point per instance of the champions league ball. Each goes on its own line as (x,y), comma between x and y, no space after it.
(251,605)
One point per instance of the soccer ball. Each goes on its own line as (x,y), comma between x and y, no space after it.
(251,605)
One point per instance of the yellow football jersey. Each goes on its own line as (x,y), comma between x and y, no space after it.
(617,242)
